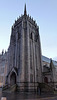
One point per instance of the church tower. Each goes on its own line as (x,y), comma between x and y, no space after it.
(24,60)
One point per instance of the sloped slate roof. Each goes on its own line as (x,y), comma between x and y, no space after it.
(46,59)
(54,62)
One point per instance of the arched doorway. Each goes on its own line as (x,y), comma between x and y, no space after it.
(46,80)
(13,79)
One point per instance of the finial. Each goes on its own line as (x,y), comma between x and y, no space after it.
(25,12)
(2,51)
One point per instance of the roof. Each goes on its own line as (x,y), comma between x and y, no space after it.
(46,59)
(54,62)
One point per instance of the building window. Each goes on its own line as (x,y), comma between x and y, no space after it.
(19,35)
(31,78)
(45,79)
(56,86)
(31,37)
(1,78)
(36,38)
(30,56)
(2,70)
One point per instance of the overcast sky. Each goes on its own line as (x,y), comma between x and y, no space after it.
(45,14)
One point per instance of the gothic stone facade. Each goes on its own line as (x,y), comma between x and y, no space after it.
(3,68)
(24,54)
(49,70)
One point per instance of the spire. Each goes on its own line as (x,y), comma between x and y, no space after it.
(25,12)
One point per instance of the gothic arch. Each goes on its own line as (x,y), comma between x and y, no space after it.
(46,79)
(13,78)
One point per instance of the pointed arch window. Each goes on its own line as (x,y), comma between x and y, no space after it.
(19,35)
(36,38)
(31,36)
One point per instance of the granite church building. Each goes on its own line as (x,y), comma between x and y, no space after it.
(24,54)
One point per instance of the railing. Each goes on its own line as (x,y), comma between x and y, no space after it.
(9,87)
(24,86)
(5,87)
(46,87)
(12,88)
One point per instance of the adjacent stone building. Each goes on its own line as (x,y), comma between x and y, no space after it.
(3,68)
(24,54)
(49,72)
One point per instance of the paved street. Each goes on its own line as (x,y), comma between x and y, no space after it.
(26,96)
